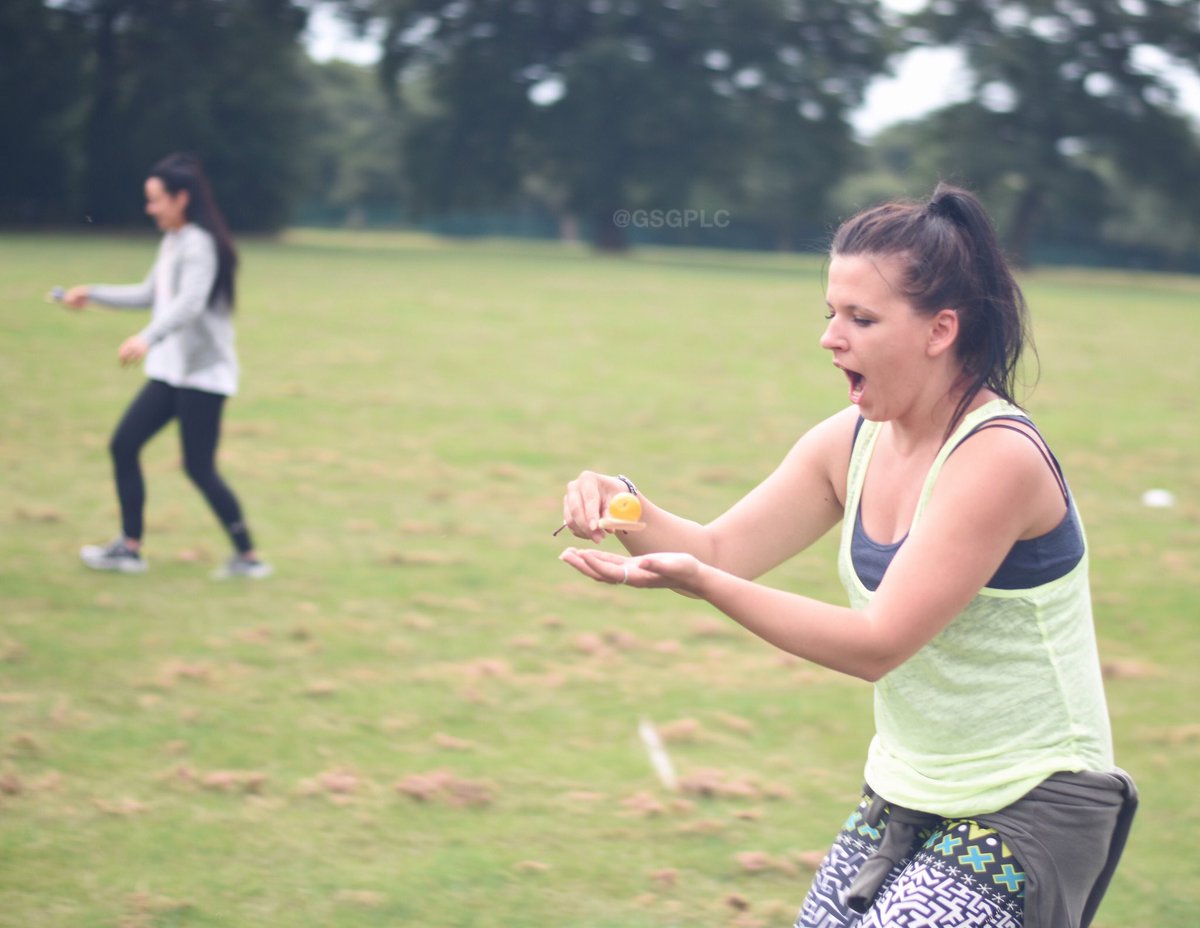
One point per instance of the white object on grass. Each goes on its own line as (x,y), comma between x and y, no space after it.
(659,759)
(1158,499)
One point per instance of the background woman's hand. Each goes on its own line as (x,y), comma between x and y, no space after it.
(76,297)
(586,501)
(671,571)
(132,350)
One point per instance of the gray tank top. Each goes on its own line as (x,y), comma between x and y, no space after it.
(1028,563)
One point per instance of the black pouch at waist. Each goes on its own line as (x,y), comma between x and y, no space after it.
(898,839)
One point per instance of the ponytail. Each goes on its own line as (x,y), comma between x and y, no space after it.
(181,171)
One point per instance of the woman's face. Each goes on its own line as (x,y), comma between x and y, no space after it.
(877,338)
(168,210)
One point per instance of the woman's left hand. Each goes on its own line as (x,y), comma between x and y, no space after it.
(132,350)
(679,572)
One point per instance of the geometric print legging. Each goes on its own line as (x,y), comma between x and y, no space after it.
(956,875)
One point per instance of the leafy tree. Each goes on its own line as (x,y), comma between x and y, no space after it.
(40,82)
(1059,86)
(1097,215)
(217,77)
(352,144)
(908,159)
(628,104)
(1147,220)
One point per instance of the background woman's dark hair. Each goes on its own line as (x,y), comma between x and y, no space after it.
(952,260)
(181,171)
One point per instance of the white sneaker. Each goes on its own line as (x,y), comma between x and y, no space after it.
(241,566)
(115,556)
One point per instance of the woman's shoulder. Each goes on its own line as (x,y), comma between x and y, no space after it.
(838,430)
(194,234)
(827,444)
(194,240)
(1005,424)
(831,440)
(1002,455)
(999,433)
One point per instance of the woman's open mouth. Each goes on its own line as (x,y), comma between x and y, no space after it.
(857,381)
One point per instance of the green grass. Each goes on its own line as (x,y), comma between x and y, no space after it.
(179,752)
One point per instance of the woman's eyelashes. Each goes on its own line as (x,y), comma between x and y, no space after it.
(861,321)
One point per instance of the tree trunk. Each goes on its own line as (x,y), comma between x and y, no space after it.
(609,235)
(1024,223)
(568,228)
(100,144)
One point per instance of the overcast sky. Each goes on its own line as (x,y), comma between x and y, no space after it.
(925,79)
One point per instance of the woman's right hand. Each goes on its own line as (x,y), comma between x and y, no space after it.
(76,297)
(586,501)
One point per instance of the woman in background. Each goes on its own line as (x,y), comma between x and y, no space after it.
(190,361)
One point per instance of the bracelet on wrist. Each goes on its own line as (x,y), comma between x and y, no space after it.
(628,483)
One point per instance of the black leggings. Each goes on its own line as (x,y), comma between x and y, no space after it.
(199,415)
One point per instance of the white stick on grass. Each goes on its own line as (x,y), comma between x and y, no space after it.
(659,759)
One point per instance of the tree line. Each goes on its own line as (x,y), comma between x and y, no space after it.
(586,110)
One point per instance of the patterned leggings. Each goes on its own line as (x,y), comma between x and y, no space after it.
(958,874)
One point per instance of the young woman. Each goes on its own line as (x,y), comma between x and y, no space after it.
(991,796)
(191,364)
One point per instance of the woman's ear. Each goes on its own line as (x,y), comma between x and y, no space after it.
(943,332)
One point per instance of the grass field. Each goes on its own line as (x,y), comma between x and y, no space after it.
(425,719)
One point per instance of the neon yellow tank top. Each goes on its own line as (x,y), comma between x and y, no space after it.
(1007,694)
